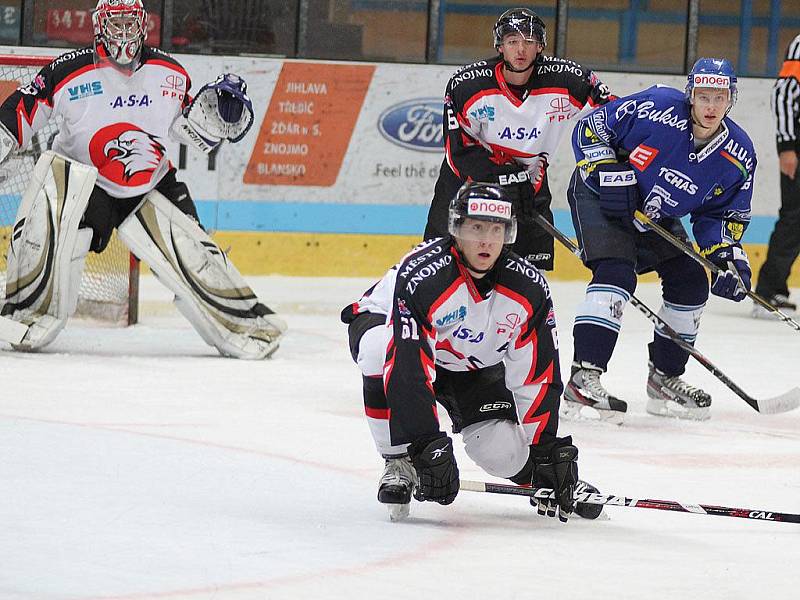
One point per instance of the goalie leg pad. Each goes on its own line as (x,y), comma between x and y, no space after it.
(47,250)
(208,289)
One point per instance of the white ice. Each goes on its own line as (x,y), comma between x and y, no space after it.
(136,463)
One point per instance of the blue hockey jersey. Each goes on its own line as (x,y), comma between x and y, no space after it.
(654,129)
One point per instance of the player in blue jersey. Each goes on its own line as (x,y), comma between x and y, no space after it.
(668,153)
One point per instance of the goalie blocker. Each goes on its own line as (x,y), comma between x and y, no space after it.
(48,251)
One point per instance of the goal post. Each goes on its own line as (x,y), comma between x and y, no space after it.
(110,284)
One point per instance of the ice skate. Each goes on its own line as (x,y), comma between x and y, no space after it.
(396,485)
(585,390)
(779,301)
(670,396)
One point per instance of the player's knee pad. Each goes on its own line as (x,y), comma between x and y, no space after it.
(498,446)
(685,290)
(47,250)
(683,318)
(613,282)
(372,350)
(208,289)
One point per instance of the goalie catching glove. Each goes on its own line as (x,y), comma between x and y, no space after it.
(220,111)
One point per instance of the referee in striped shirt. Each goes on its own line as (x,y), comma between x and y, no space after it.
(784,243)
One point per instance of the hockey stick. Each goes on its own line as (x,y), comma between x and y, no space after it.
(12,331)
(779,404)
(611,500)
(689,251)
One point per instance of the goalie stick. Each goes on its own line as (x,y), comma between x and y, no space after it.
(688,251)
(778,404)
(612,500)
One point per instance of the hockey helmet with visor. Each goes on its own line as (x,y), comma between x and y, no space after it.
(713,73)
(522,21)
(482,212)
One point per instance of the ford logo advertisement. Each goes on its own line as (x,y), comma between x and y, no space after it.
(414,124)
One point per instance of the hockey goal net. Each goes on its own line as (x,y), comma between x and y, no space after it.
(109,287)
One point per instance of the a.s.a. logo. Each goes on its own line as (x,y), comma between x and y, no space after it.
(126,154)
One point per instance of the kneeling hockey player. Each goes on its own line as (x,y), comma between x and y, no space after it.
(464,322)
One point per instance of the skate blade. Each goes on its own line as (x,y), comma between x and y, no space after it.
(670,408)
(575,411)
(398,512)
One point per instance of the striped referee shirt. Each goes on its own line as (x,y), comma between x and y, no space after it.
(786,100)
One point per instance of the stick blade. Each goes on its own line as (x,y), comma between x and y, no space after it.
(472,486)
(780,404)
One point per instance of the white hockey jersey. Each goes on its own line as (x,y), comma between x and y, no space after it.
(116,121)
(439,318)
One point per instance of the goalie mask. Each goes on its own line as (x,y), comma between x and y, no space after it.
(485,202)
(120,30)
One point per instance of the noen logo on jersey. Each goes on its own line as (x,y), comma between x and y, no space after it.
(489,208)
(85,90)
(705,80)
(414,124)
(679,180)
(125,154)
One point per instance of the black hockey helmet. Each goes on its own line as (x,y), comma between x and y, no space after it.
(483,202)
(522,21)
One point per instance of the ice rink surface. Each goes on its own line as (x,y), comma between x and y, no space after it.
(137,463)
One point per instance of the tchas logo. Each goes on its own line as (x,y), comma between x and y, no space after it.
(126,154)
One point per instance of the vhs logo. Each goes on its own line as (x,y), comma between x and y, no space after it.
(414,124)
(84,90)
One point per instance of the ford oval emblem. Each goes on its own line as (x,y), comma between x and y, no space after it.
(414,124)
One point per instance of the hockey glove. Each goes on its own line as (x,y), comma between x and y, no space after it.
(518,185)
(436,468)
(555,467)
(618,192)
(733,281)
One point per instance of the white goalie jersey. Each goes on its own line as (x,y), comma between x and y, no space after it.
(118,122)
